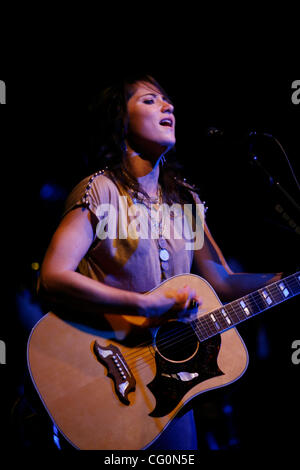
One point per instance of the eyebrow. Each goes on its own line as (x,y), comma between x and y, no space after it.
(152,94)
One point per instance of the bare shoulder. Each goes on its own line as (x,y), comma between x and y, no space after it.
(79,219)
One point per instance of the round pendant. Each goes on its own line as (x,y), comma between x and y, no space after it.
(164,255)
(165,265)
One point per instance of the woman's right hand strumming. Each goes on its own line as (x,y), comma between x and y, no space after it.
(159,306)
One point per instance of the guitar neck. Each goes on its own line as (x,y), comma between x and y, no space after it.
(246,307)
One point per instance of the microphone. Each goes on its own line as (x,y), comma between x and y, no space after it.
(213,131)
(265,134)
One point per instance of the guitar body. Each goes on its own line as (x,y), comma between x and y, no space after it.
(111,388)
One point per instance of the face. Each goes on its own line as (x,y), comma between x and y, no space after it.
(151,126)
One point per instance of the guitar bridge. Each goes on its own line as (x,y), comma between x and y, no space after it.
(118,370)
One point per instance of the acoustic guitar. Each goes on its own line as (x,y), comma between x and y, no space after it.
(118,384)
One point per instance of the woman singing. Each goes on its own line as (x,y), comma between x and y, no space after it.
(88,271)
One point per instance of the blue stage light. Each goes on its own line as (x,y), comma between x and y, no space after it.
(52,192)
(263,345)
(211,441)
(227,409)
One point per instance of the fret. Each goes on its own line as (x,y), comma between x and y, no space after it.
(225,318)
(293,283)
(265,298)
(275,293)
(216,323)
(199,329)
(219,320)
(202,330)
(205,323)
(210,324)
(208,331)
(278,291)
(220,315)
(251,304)
(286,292)
(245,309)
(212,327)
(266,295)
(231,311)
(256,302)
(284,289)
(235,310)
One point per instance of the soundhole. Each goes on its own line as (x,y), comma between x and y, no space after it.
(176,341)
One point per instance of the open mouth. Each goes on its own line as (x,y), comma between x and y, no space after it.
(166,122)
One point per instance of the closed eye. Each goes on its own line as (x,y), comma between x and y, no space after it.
(152,100)
(148,101)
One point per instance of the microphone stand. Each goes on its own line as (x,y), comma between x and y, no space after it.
(272,181)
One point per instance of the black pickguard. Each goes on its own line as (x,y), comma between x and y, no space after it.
(168,391)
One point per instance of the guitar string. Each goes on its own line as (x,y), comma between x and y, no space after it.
(208,329)
(236,309)
(169,337)
(139,356)
(151,358)
(179,337)
(166,338)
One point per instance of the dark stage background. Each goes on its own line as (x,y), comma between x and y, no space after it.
(256,226)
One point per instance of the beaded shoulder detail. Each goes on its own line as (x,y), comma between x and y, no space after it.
(85,198)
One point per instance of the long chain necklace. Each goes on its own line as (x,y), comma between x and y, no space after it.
(156,204)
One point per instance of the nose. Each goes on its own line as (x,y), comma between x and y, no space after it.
(167,107)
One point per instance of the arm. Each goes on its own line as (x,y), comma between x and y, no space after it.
(210,263)
(61,285)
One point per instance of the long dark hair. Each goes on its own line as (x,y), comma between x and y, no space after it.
(108,121)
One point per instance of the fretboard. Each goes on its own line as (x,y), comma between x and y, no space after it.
(242,309)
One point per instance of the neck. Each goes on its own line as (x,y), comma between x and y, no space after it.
(145,171)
